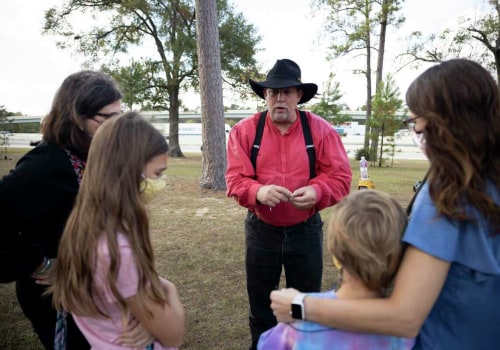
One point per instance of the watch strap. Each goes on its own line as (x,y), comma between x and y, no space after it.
(298,308)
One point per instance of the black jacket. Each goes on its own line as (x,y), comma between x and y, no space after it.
(36,198)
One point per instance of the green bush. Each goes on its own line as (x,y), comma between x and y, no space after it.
(363,152)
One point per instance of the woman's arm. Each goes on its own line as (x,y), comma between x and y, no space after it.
(36,198)
(168,322)
(418,284)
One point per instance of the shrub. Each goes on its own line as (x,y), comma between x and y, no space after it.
(362,152)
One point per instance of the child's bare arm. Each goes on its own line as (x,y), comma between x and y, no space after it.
(167,324)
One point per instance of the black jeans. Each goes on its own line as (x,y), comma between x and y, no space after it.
(38,309)
(298,248)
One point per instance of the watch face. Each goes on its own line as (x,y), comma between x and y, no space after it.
(297,311)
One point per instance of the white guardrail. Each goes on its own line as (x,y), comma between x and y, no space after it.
(405,148)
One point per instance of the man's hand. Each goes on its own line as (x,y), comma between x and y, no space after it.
(303,198)
(272,195)
(281,303)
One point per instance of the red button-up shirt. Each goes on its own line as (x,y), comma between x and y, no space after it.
(282,160)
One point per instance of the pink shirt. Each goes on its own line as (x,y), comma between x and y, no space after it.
(283,161)
(104,333)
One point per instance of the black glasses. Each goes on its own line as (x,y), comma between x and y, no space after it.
(285,92)
(108,115)
(410,123)
(98,121)
(104,115)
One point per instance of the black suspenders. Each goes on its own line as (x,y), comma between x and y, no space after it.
(256,142)
(307,139)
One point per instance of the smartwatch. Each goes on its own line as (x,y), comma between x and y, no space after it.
(298,309)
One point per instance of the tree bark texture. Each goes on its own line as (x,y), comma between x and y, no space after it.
(212,107)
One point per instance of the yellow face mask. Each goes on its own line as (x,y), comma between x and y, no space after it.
(150,187)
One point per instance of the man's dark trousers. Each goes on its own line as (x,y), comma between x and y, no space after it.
(298,248)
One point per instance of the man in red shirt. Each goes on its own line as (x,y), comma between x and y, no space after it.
(284,187)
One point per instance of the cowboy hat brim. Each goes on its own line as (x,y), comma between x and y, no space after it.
(308,89)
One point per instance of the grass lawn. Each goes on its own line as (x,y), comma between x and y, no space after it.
(198,237)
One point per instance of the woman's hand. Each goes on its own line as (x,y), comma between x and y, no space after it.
(281,303)
(136,336)
(45,275)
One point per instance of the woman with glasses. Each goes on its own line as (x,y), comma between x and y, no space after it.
(447,289)
(37,196)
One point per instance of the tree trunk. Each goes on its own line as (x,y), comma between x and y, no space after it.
(497,66)
(212,106)
(497,43)
(368,82)
(381,44)
(173,119)
(381,145)
(368,99)
(380,68)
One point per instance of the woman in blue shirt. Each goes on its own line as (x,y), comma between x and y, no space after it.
(447,289)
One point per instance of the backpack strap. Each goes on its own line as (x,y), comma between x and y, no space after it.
(417,190)
(311,152)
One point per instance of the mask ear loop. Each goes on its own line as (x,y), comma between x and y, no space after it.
(337,264)
(418,139)
(143,184)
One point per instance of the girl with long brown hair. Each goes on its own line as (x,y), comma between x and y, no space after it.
(105,275)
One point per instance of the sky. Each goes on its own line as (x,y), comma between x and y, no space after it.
(32,67)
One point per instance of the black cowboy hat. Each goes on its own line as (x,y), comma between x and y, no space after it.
(285,73)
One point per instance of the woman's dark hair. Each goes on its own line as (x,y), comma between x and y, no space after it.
(460,103)
(80,97)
